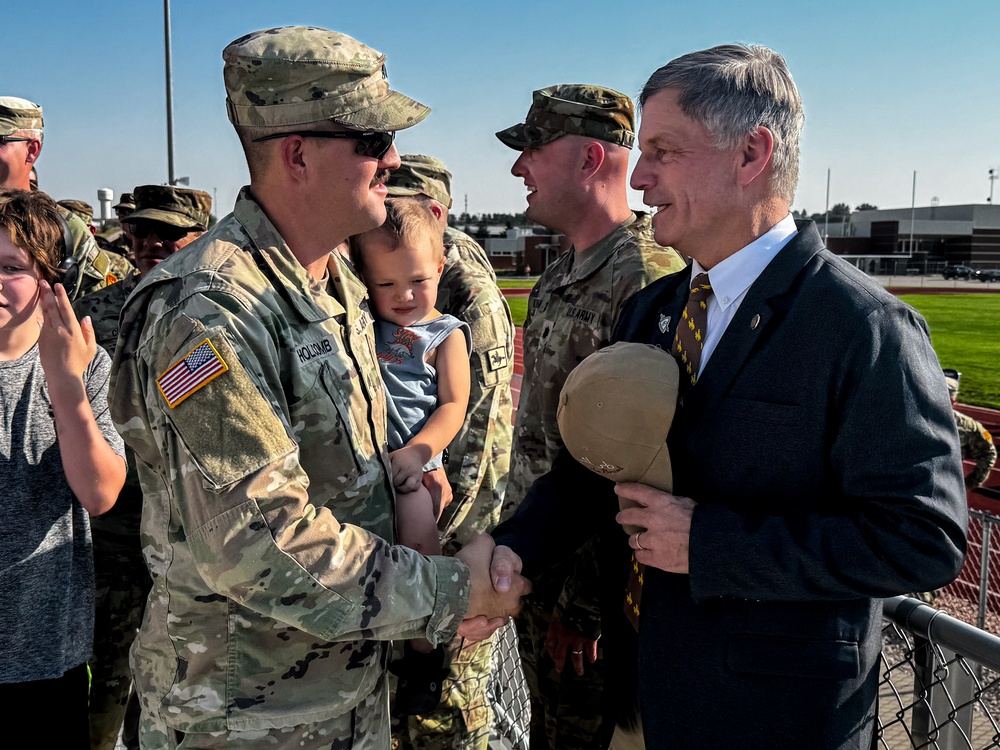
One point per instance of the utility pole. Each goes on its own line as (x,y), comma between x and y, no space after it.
(913,210)
(993,177)
(826,214)
(170,95)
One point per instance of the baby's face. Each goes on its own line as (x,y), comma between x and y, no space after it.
(403,283)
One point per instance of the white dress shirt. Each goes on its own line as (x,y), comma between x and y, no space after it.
(732,277)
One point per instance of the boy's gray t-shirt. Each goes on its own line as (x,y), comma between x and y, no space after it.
(46,565)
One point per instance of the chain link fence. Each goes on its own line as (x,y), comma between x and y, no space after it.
(974,596)
(508,693)
(940,681)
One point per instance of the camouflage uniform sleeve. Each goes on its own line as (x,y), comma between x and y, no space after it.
(240,499)
(478,302)
(977,445)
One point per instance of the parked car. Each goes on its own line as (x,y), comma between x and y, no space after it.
(991,275)
(960,272)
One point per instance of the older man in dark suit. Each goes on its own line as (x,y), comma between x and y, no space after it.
(816,464)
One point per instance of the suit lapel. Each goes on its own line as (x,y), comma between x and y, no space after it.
(762,308)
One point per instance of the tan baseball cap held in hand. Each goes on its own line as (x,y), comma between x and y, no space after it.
(615,411)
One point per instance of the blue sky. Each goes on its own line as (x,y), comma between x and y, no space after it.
(889,87)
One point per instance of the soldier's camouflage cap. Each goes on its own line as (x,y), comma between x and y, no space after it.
(574,109)
(81,208)
(127,202)
(18,114)
(421,175)
(177,206)
(298,75)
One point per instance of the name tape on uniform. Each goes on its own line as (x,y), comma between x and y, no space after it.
(198,368)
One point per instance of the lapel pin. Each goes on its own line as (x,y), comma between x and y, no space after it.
(664,323)
(754,322)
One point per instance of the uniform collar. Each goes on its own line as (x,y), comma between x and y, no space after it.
(585,263)
(284,269)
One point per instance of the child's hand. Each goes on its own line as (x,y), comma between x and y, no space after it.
(65,347)
(407,469)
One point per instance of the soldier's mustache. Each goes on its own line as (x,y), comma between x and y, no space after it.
(380,178)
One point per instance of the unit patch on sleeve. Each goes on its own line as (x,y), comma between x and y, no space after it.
(199,367)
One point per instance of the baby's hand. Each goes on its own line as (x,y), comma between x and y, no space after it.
(407,469)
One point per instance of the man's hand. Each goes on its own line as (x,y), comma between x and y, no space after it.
(561,641)
(436,483)
(65,347)
(489,607)
(407,469)
(666,519)
(504,566)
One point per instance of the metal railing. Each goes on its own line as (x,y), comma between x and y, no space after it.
(940,681)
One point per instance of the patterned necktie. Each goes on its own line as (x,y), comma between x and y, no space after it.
(688,343)
(690,336)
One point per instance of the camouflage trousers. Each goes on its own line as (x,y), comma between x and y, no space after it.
(462,719)
(121,586)
(566,710)
(364,728)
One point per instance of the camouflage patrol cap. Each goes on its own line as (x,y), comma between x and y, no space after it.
(574,109)
(298,75)
(18,114)
(615,411)
(126,202)
(421,175)
(81,208)
(177,206)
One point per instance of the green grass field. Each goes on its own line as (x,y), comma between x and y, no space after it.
(518,309)
(965,331)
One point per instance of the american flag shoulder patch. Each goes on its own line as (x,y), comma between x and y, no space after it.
(198,368)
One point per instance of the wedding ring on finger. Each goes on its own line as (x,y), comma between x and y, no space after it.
(577,653)
(637,544)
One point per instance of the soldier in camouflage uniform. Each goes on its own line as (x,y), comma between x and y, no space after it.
(181,216)
(247,387)
(574,147)
(119,241)
(976,441)
(479,454)
(88,268)
(83,210)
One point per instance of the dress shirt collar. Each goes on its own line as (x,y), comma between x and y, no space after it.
(731,277)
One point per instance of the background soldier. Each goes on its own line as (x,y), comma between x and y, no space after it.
(479,455)
(81,209)
(88,268)
(574,147)
(122,243)
(168,219)
(248,388)
(976,441)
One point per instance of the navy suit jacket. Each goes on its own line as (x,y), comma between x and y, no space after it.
(820,449)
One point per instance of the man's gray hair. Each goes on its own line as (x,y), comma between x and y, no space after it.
(33,133)
(732,90)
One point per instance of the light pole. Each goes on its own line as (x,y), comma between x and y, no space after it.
(993,177)
(170,96)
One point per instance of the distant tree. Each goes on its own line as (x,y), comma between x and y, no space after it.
(840,210)
(866,207)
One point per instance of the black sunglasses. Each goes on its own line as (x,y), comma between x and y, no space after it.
(370,142)
(166,232)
